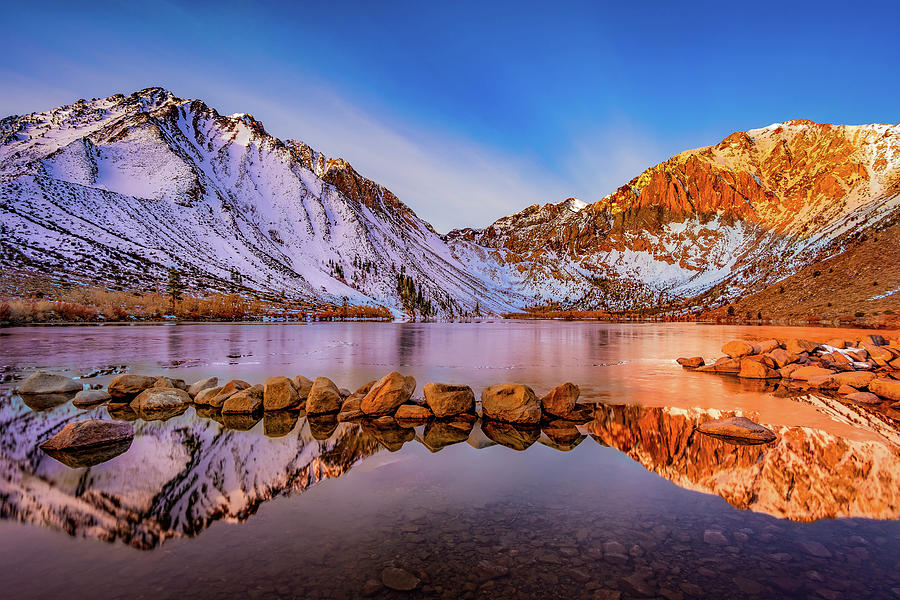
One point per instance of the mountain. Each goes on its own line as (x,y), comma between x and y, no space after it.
(122,188)
(731,218)
(116,190)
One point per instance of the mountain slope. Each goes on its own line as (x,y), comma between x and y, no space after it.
(741,214)
(123,188)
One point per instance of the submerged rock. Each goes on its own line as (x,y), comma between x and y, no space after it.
(86,398)
(511,403)
(42,382)
(737,428)
(387,394)
(89,433)
(449,399)
(126,387)
(560,401)
(399,579)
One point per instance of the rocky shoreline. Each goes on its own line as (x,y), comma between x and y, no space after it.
(864,371)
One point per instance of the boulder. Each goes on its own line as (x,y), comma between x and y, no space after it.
(518,436)
(838,343)
(886,388)
(240,421)
(203,397)
(864,398)
(279,423)
(766,346)
(279,393)
(245,401)
(364,389)
(782,357)
(846,389)
(42,382)
(727,365)
(89,433)
(511,403)
(824,381)
(86,398)
(126,387)
(228,390)
(448,399)
(302,385)
(799,346)
(387,394)
(788,370)
(322,426)
(203,384)
(804,373)
(561,434)
(737,428)
(560,401)
(754,369)
(760,358)
(168,382)
(875,339)
(857,379)
(879,354)
(388,432)
(413,412)
(160,403)
(737,349)
(691,363)
(324,397)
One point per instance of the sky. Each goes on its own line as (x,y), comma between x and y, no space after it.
(470,111)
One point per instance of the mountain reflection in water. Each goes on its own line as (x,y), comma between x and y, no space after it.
(181,475)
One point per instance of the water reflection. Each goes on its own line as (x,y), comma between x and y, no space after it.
(181,475)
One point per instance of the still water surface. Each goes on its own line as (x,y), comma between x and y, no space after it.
(631,504)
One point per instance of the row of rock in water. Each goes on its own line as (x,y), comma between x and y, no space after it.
(390,396)
(866,371)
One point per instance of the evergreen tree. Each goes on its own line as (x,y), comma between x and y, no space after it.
(175,286)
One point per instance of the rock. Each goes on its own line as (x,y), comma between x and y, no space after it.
(727,365)
(203,384)
(245,401)
(804,373)
(168,382)
(371,587)
(838,343)
(815,548)
(350,410)
(364,389)
(560,401)
(42,382)
(715,537)
(692,362)
(387,394)
(302,385)
(413,412)
(228,390)
(86,398)
(487,570)
(754,369)
(324,397)
(279,394)
(875,339)
(399,579)
(737,428)
(787,370)
(767,346)
(737,349)
(825,381)
(89,433)
(886,388)
(879,354)
(322,426)
(448,399)
(240,421)
(799,346)
(89,457)
(126,387)
(160,403)
(204,396)
(516,436)
(511,403)
(562,434)
(864,398)
(846,389)
(388,432)
(760,358)
(857,379)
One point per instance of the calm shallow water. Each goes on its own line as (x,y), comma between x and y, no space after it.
(631,503)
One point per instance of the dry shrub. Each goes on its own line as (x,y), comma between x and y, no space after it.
(71,311)
(5,312)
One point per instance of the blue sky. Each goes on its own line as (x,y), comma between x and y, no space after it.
(469,111)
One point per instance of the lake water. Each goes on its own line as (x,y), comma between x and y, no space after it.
(633,503)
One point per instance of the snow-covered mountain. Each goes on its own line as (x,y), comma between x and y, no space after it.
(119,189)
(122,188)
(739,215)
